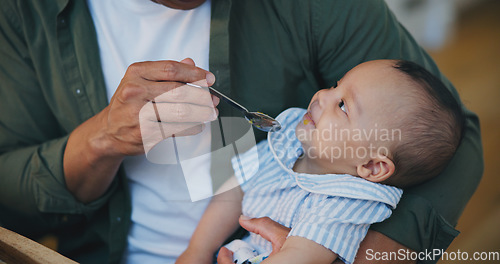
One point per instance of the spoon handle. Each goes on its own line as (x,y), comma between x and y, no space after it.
(223,97)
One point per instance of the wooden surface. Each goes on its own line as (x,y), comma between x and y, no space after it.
(15,248)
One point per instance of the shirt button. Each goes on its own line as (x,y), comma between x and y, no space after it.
(118,219)
(78,91)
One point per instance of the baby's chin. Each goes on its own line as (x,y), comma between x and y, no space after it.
(303,132)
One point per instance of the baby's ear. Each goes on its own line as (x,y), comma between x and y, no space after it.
(377,169)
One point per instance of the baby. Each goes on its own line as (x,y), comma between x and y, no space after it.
(338,167)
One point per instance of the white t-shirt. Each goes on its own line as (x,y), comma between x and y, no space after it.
(163,215)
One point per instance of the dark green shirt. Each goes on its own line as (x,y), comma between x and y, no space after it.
(51,81)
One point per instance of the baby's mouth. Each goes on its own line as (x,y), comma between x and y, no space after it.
(308,119)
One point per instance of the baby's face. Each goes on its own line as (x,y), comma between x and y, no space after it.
(347,124)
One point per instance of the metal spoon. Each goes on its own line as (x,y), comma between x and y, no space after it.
(259,120)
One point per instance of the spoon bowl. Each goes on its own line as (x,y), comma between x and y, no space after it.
(262,121)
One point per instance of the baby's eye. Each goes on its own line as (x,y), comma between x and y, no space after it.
(342,106)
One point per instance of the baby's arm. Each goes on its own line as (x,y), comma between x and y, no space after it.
(218,222)
(301,250)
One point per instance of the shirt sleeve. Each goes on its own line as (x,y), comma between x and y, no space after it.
(338,223)
(367,30)
(32,141)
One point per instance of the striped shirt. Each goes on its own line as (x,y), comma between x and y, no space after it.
(333,210)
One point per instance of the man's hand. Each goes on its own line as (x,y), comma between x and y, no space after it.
(276,234)
(268,229)
(264,226)
(150,104)
(153,103)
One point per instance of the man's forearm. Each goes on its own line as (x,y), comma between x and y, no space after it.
(374,241)
(89,168)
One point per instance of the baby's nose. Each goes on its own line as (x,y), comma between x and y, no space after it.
(328,96)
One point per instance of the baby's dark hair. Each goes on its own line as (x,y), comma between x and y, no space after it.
(432,131)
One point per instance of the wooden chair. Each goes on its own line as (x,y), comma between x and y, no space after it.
(15,248)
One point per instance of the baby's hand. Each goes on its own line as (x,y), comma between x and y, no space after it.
(191,257)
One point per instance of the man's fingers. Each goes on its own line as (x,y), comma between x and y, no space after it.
(185,113)
(188,61)
(176,113)
(169,71)
(163,130)
(215,100)
(225,256)
(154,132)
(266,228)
(162,92)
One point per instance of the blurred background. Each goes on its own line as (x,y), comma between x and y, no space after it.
(463,37)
